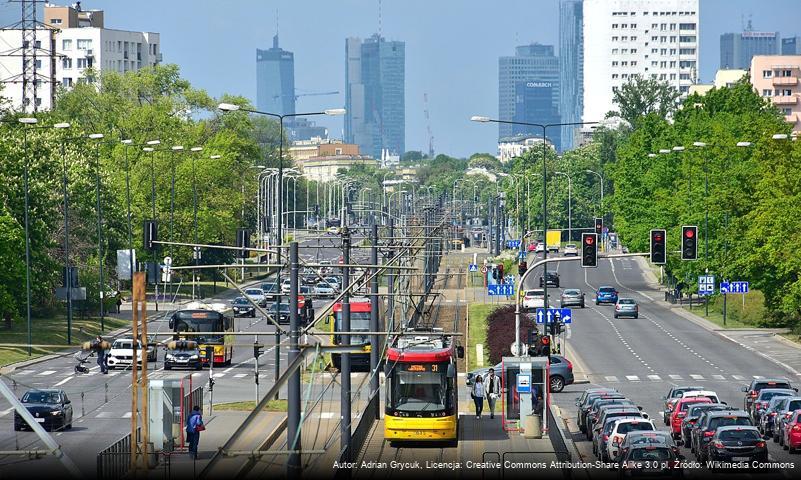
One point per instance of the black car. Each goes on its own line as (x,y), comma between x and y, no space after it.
(243,308)
(650,460)
(752,391)
(694,412)
(281,316)
(271,291)
(737,444)
(50,407)
(190,358)
(551,279)
(583,404)
(709,422)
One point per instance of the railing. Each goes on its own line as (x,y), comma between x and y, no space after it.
(785,80)
(114,461)
(365,424)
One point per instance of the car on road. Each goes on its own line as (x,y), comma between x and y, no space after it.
(680,411)
(271,291)
(760,404)
(783,416)
(336,281)
(532,246)
(121,353)
(551,279)
(656,438)
(50,407)
(737,443)
(599,406)
(650,461)
(583,403)
(285,286)
(280,312)
(621,429)
(694,413)
(792,433)
(186,358)
(561,373)
(571,250)
(243,308)
(325,269)
(308,277)
(572,297)
(672,396)
(709,422)
(324,289)
(768,418)
(257,295)
(626,307)
(534,298)
(606,295)
(332,231)
(752,390)
(603,428)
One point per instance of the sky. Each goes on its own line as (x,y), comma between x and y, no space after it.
(452,48)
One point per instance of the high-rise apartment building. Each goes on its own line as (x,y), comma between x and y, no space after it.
(528,90)
(791,46)
(778,78)
(656,39)
(375,95)
(78,41)
(571,67)
(275,80)
(737,49)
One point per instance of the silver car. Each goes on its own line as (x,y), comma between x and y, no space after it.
(572,297)
(324,289)
(626,307)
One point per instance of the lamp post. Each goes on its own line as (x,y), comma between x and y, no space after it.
(27,121)
(101,281)
(67,272)
(196,250)
(544,127)
(126,143)
(151,150)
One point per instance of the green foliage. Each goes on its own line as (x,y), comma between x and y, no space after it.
(640,97)
(412,156)
(484,160)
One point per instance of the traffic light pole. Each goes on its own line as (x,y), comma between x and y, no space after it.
(374,326)
(344,375)
(293,387)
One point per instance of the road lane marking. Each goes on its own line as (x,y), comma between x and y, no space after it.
(610,378)
(46,372)
(6,411)
(64,381)
(240,375)
(632,378)
(675,377)
(228,370)
(738,377)
(26,372)
(695,376)
(655,378)
(218,375)
(757,377)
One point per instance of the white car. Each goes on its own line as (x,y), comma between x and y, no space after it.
(257,295)
(324,289)
(540,247)
(534,298)
(121,353)
(286,286)
(621,428)
(571,250)
(702,393)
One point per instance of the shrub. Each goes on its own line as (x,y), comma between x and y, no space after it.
(501,332)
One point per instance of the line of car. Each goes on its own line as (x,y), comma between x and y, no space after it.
(573,297)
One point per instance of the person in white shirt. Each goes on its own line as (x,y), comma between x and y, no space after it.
(478,395)
(492,388)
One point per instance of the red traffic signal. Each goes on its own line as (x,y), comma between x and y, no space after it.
(658,247)
(589,240)
(689,243)
(545,340)
(689,233)
(589,250)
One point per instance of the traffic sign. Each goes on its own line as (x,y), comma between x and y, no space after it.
(472,267)
(501,290)
(548,316)
(706,284)
(734,287)
(513,243)
(483,269)
(523,383)
(168,261)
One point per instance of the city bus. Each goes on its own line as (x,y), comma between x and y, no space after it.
(359,322)
(203,317)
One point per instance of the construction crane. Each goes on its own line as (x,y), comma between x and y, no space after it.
(428,127)
(312,94)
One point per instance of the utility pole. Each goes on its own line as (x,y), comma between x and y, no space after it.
(293,387)
(391,278)
(344,376)
(374,325)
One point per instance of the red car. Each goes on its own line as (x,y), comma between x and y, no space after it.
(792,432)
(680,411)
(532,246)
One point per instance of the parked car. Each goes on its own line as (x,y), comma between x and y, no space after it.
(783,416)
(243,308)
(583,403)
(792,432)
(752,391)
(670,399)
(626,307)
(551,279)
(768,418)
(606,295)
(534,298)
(604,426)
(121,353)
(257,295)
(601,405)
(760,404)
(694,413)
(561,373)
(571,250)
(619,431)
(737,444)
(187,358)
(50,407)
(572,297)
(680,411)
(646,438)
(709,422)
(650,460)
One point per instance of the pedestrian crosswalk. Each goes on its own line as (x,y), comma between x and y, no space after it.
(673,377)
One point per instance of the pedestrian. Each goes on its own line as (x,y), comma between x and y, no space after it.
(478,395)
(492,388)
(194,425)
(119,302)
(102,361)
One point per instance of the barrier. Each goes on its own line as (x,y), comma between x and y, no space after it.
(114,461)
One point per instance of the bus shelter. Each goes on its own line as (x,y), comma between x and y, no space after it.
(524,383)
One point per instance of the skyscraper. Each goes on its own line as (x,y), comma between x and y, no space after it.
(375,95)
(655,39)
(791,46)
(275,80)
(528,85)
(571,67)
(737,49)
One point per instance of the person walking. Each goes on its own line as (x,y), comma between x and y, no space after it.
(102,360)
(194,425)
(478,395)
(492,388)
(119,302)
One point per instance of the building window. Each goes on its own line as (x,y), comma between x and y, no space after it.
(625,75)
(84,44)
(663,76)
(686,64)
(787,93)
(624,64)
(66,81)
(684,76)
(634,39)
(625,51)
(672,39)
(654,64)
(624,25)
(787,73)
(663,51)
(614,64)
(83,63)
(614,51)
(673,64)
(615,39)
(672,76)
(66,63)
(672,51)
(787,111)
(687,38)
(634,63)
(672,26)
(614,25)
(633,50)
(654,25)
(767,73)
(55,21)
(66,44)
(767,92)
(662,64)
(633,25)
(663,26)
(686,26)
(663,39)
(614,76)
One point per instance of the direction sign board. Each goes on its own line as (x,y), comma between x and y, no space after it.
(472,267)
(734,287)
(706,284)
(513,243)
(548,316)
(501,290)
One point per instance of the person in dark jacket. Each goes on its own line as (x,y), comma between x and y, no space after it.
(102,360)
(193,421)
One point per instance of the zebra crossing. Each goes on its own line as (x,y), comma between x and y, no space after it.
(671,378)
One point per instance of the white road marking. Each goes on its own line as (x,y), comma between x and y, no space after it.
(718,377)
(757,377)
(26,372)
(633,378)
(6,411)
(611,378)
(738,377)
(655,378)
(327,415)
(218,375)
(47,372)
(240,375)
(228,370)
(126,415)
(64,381)
(675,377)
(695,376)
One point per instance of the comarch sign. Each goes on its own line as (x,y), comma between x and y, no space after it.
(539,84)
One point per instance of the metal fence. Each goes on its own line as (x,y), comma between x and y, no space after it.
(114,461)
(363,428)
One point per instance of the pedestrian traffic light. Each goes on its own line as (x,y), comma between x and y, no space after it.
(150,231)
(243,241)
(543,348)
(589,250)
(689,242)
(258,349)
(599,225)
(658,247)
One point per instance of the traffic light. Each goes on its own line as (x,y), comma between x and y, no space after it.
(150,231)
(209,354)
(521,268)
(589,250)
(258,349)
(599,226)
(658,247)
(543,348)
(689,242)
(243,241)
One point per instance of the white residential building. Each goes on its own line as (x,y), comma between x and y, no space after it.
(510,148)
(79,41)
(623,38)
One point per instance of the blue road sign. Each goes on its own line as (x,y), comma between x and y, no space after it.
(706,284)
(523,383)
(543,316)
(472,267)
(734,287)
(513,243)
(501,290)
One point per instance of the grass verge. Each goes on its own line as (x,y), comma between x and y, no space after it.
(50,331)
(478,332)
(247,406)
(739,314)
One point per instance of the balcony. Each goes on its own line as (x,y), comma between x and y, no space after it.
(784,81)
(785,100)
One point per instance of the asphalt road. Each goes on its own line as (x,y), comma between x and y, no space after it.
(642,358)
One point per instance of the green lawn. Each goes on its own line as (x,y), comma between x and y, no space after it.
(477,332)
(51,331)
(751,315)
(247,406)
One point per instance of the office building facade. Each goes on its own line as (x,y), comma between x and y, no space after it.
(571,67)
(275,80)
(375,95)
(791,46)
(623,39)
(737,49)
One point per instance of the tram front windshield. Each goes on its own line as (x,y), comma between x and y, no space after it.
(419,388)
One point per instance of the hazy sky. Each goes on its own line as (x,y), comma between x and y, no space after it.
(452,48)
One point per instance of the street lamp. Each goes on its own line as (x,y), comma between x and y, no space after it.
(27,121)
(67,272)
(98,137)
(175,148)
(195,250)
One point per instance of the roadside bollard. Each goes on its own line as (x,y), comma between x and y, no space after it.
(83,412)
(106,393)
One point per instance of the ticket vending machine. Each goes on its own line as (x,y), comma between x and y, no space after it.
(524,383)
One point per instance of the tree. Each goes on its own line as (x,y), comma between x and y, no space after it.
(640,97)
(484,160)
(412,156)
